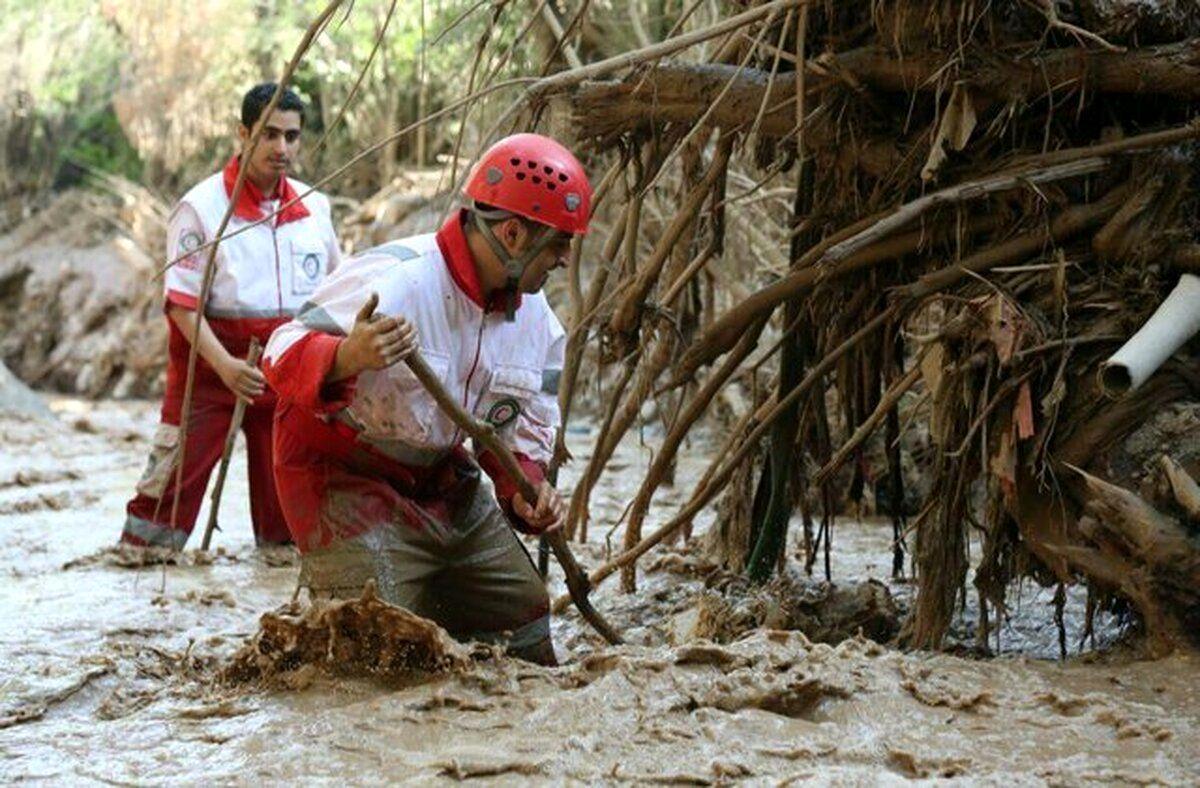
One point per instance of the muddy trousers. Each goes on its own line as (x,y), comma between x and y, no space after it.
(148,515)
(465,570)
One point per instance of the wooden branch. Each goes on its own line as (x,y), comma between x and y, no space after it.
(550,18)
(1069,222)
(667,452)
(1139,142)
(1167,70)
(963,192)
(577,580)
(676,93)
(1186,258)
(869,426)
(235,426)
(721,469)
(628,311)
(1183,487)
(724,332)
(565,79)
(578,512)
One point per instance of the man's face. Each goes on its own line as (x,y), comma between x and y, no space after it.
(555,255)
(277,147)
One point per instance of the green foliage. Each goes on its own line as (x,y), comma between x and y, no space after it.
(99,143)
(149,89)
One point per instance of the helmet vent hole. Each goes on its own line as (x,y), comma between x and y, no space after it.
(548,170)
(562,178)
(550,185)
(531,164)
(515,162)
(520,176)
(536,179)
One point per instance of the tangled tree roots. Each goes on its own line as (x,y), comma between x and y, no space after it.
(364,636)
(984,201)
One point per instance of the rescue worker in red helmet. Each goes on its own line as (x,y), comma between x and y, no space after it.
(375,480)
(262,276)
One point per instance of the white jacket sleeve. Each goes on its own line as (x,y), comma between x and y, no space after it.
(185,236)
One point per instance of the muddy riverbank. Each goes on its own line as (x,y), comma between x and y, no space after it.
(108,670)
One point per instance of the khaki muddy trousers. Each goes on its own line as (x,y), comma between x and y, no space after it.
(468,572)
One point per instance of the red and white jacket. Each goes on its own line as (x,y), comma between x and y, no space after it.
(505,373)
(264,274)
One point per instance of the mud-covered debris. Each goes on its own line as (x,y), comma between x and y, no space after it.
(43,501)
(708,654)
(364,636)
(793,693)
(1126,727)
(837,612)
(1066,705)
(470,770)
(912,766)
(790,677)
(935,689)
(134,557)
(448,700)
(222,709)
(31,477)
(824,612)
(81,309)
(209,597)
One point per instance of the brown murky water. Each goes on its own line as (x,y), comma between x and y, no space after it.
(105,671)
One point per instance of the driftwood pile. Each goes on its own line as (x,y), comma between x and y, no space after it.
(946,220)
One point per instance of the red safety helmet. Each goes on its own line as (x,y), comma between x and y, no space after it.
(534,177)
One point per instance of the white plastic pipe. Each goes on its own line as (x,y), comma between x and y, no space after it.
(1175,321)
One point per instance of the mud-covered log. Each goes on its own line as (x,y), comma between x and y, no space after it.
(679,94)
(1168,70)
(684,93)
(1147,555)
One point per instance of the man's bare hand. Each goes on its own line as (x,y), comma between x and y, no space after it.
(547,515)
(375,341)
(245,380)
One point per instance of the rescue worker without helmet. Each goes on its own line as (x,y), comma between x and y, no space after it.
(374,479)
(262,277)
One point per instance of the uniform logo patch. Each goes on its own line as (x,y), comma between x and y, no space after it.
(308,267)
(312,265)
(189,242)
(503,413)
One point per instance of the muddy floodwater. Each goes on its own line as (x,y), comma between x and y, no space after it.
(107,669)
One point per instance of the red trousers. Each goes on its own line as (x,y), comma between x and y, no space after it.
(148,515)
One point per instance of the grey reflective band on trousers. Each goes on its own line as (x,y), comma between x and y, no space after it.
(238,313)
(155,535)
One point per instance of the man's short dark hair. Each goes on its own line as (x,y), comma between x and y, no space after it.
(259,96)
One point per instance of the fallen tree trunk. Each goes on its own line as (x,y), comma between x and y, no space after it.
(1146,555)
(684,93)
(1169,70)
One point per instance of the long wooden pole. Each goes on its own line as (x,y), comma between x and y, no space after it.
(235,425)
(578,584)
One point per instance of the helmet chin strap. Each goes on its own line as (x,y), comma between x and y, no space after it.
(514,267)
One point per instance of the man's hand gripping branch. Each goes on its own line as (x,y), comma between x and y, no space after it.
(375,342)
